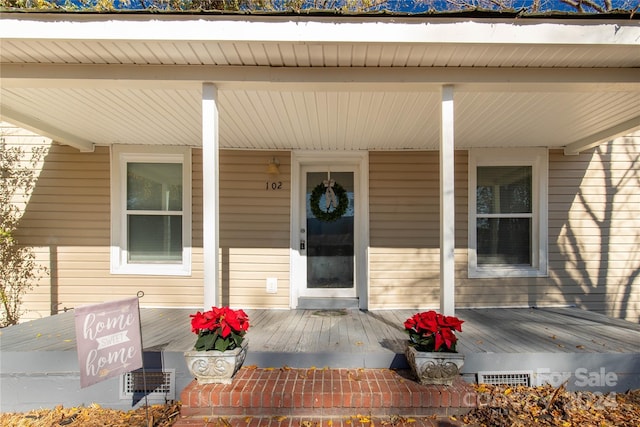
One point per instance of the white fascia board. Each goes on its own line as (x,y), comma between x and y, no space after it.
(319,29)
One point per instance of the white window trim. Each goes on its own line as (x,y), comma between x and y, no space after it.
(120,156)
(537,158)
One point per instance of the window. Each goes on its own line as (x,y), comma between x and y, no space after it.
(151,211)
(507,213)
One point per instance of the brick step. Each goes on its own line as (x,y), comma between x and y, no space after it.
(323,394)
(353,421)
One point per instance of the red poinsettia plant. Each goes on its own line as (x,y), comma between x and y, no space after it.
(220,328)
(431,331)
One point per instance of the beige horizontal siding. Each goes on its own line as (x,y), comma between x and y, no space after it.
(404,260)
(594,202)
(594,241)
(594,233)
(254,229)
(68,222)
(594,238)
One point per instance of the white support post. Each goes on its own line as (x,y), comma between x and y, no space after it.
(210,189)
(447,205)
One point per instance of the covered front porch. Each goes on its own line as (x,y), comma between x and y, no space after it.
(306,86)
(519,346)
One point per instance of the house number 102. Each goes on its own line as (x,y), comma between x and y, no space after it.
(274,185)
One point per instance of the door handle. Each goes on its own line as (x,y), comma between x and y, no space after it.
(302,245)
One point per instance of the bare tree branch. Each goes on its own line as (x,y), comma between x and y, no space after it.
(577,4)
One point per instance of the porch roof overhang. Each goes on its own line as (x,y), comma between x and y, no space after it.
(320,83)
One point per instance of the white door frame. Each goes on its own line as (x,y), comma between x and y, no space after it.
(360,162)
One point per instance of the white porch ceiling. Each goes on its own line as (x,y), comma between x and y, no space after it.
(318,84)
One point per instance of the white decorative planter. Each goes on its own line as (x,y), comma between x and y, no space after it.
(434,367)
(216,367)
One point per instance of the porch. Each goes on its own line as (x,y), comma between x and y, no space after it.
(526,346)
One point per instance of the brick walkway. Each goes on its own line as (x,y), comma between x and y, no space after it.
(323,397)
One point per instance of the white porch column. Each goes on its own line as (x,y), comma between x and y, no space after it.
(210,189)
(447,205)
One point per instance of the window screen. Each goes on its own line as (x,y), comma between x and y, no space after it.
(504,215)
(154,212)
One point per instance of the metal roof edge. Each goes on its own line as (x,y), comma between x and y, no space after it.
(471,13)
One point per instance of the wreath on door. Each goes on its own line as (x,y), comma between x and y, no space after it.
(335,196)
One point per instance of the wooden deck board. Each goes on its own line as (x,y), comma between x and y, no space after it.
(375,332)
(523,330)
(384,327)
(549,335)
(362,338)
(361,332)
(304,339)
(490,337)
(285,323)
(474,339)
(590,317)
(575,332)
(270,328)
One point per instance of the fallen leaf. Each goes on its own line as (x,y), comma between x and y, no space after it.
(353,377)
(482,388)
(363,419)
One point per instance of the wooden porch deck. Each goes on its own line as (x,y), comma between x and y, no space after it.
(548,345)
(355,332)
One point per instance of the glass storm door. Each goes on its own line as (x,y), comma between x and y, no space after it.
(327,233)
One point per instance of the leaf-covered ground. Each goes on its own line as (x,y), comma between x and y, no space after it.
(499,406)
(94,416)
(548,406)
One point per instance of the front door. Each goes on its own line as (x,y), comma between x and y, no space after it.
(327,233)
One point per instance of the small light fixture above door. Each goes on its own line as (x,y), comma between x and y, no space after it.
(274,167)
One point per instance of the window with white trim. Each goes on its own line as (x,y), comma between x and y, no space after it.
(508,212)
(151,211)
